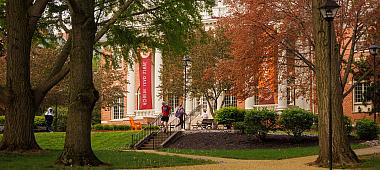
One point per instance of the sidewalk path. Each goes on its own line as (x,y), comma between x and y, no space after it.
(236,164)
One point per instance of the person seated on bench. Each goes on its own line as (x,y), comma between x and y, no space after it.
(204,114)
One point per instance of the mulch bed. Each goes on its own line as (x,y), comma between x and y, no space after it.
(229,140)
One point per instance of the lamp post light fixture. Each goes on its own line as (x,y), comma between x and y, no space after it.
(328,11)
(186,61)
(374,50)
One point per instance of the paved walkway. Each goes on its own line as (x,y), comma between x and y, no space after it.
(235,164)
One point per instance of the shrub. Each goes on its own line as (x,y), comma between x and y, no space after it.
(60,119)
(296,121)
(260,122)
(366,129)
(239,126)
(111,127)
(2,120)
(39,121)
(229,115)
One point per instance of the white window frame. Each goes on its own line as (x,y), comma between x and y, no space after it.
(363,88)
(118,108)
(173,102)
(230,101)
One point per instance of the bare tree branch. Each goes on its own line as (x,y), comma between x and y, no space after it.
(62,58)
(35,13)
(59,71)
(145,11)
(356,83)
(112,21)
(43,88)
(294,51)
(350,59)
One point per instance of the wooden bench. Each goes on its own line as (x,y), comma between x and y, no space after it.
(207,123)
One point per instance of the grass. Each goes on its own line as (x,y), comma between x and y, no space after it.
(99,140)
(257,154)
(107,146)
(371,162)
(119,160)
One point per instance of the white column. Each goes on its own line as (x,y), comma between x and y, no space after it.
(157,82)
(249,102)
(131,97)
(189,104)
(282,96)
(282,102)
(219,101)
(189,108)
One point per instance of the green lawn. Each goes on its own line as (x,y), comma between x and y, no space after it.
(371,162)
(107,146)
(256,154)
(100,140)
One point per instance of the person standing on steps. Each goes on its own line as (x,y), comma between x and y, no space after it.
(165,109)
(180,115)
(49,115)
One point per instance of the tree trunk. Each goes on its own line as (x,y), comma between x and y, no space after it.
(18,131)
(83,95)
(342,152)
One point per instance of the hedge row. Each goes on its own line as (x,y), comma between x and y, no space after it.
(294,121)
(111,127)
(38,121)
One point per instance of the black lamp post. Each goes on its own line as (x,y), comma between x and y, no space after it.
(186,61)
(328,11)
(374,50)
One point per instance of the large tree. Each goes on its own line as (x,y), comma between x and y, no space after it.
(125,17)
(20,99)
(83,95)
(297,27)
(137,25)
(207,72)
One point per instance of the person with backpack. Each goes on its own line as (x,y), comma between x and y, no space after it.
(165,109)
(49,119)
(180,113)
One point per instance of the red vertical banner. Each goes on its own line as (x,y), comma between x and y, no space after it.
(145,73)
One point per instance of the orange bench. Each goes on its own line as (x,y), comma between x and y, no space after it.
(135,125)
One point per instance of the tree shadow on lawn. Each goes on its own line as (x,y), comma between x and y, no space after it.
(118,160)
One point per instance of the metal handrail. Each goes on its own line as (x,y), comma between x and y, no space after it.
(146,131)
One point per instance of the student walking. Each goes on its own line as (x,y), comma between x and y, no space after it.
(165,109)
(180,113)
(49,116)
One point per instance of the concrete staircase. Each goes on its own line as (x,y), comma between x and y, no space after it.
(156,140)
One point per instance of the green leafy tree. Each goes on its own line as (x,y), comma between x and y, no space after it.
(149,24)
(209,71)
(127,15)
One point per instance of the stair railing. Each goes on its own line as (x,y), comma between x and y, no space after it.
(146,131)
(194,113)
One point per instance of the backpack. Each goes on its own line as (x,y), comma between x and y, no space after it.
(179,112)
